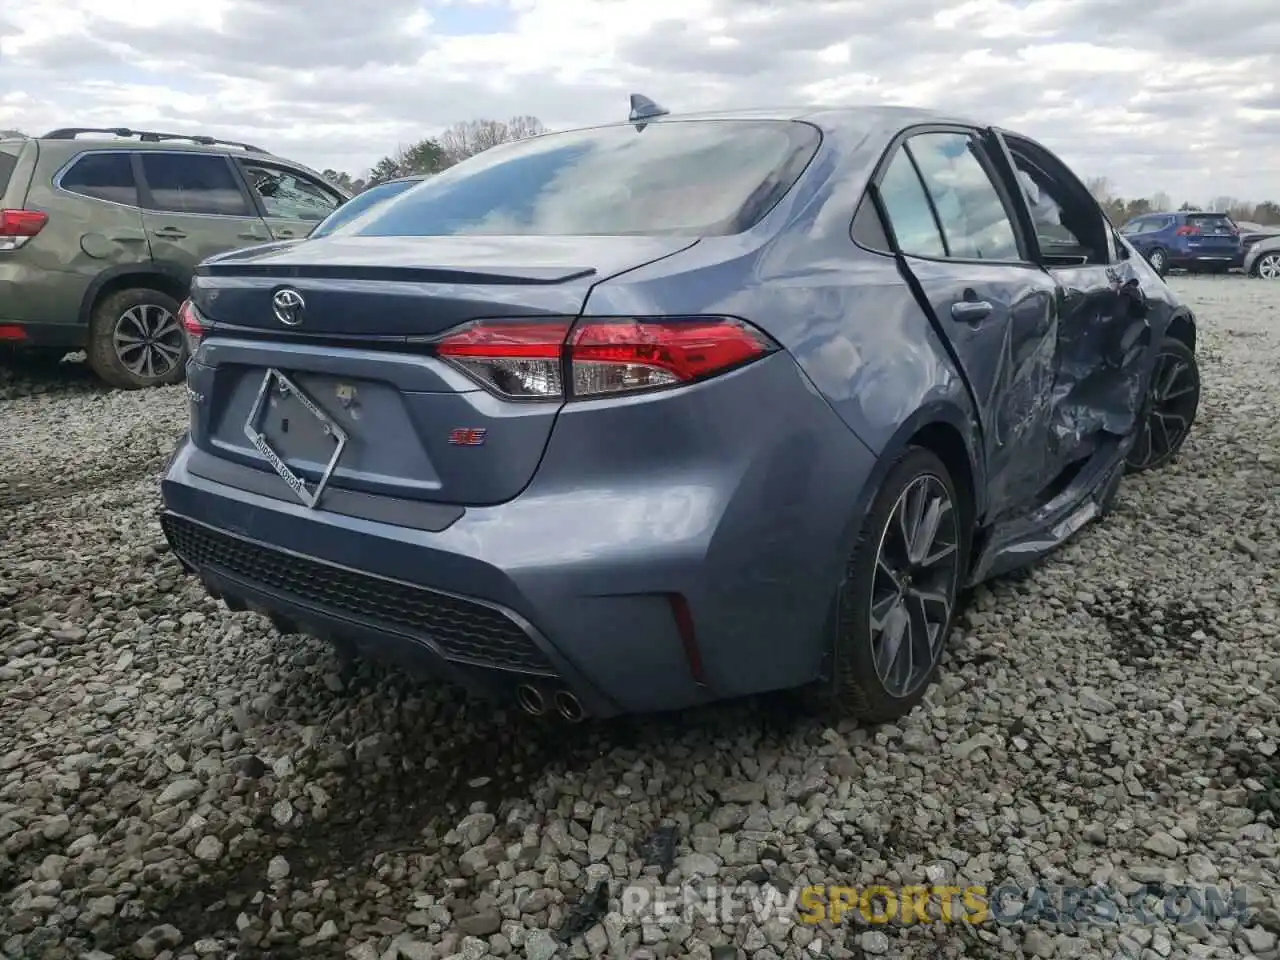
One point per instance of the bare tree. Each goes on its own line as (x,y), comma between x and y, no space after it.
(1161,202)
(470,137)
(1100,188)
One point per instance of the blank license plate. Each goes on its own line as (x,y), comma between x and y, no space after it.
(286,424)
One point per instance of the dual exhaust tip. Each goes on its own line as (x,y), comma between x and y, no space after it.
(535,703)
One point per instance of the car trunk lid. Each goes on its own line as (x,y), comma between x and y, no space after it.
(356,363)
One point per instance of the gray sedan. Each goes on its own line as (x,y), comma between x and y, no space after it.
(1263,259)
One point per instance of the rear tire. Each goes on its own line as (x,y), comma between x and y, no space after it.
(881,598)
(1169,410)
(1267,266)
(136,340)
(1159,260)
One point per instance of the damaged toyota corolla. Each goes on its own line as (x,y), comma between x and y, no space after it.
(636,417)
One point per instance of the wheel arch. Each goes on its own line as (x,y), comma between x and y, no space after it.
(169,279)
(947,430)
(1182,326)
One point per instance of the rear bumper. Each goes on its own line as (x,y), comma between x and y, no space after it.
(45,302)
(41,335)
(571,583)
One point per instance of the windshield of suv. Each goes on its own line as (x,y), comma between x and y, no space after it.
(360,203)
(685,177)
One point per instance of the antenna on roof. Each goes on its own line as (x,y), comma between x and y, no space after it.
(642,109)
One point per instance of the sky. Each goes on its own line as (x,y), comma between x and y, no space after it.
(1184,99)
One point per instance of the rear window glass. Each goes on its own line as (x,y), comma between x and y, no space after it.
(675,177)
(360,203)
(1212,222)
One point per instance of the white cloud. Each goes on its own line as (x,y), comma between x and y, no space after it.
(1183,102)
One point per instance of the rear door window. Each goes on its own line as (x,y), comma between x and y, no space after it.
(103,176)
(975,223)
(196,183)
(691,177)
(907,205)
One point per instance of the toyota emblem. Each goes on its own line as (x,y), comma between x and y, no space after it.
(288,306)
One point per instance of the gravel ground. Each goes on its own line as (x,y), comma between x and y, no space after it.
(179,781)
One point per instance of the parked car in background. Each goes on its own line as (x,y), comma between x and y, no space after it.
(1262,259)
(363,201)
(1251,234)
(649,414)
(101,229)
(1196,242)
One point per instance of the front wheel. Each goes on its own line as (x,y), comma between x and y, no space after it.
(1173,398)
(136,339)
(897,603)
(1267,266)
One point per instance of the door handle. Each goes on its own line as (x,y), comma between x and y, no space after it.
(970,311)
(170,233)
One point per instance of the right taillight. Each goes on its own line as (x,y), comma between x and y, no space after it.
(19,226)
(602,356)
(193,325)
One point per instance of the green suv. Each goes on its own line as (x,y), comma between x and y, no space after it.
(99,238)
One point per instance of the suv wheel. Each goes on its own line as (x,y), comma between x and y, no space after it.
(136,340)
(1159,261)
(897,604)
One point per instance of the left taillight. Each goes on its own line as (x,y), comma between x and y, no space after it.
(19,226)
(600,356)
(194,326)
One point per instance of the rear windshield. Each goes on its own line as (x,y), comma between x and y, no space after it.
(8,160)
(360,203)
(1211,222)
(694,177)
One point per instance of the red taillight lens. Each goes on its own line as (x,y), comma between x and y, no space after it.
(1188,231)
(193,325)
(19,226)
(523,359)
(618,356)
(11,331)
(517,359)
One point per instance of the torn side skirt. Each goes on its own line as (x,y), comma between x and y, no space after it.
(1019,542)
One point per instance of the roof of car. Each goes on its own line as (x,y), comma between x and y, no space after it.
(825,114)
(862,117)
